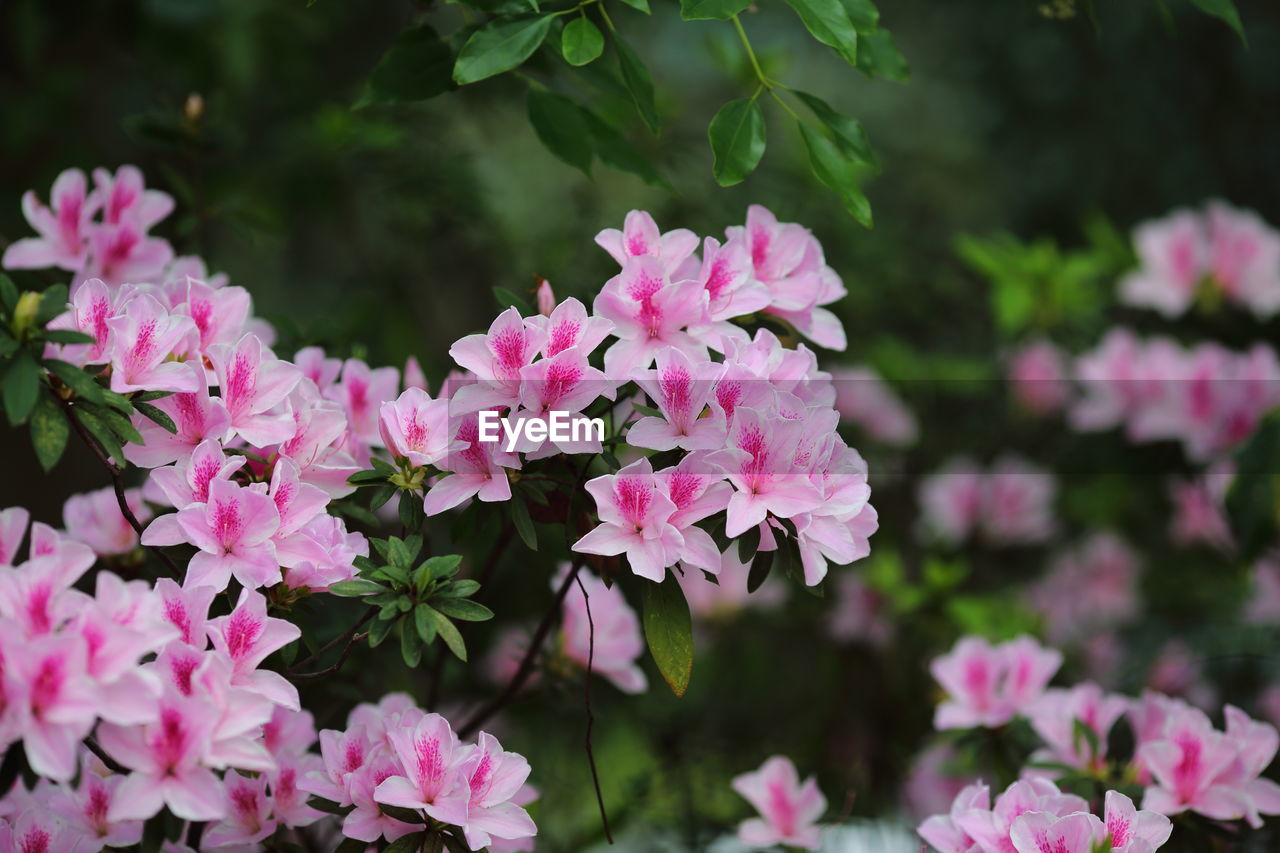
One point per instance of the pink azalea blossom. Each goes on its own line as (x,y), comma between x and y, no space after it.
(635,513)
(682,390)
(1172,253)
(477,470)
(1244,258)
(1057,715)
(143,337)
(55,701)
(432,759)
(640,237)
(247,636)
(697,488)
(1192,767)
(165,759)
(95,519)
(367,821)
(318,367)
(233,532)
(91,307)
(496,358)
(123,252)
(125,194)
(1088,588)
(864,398)
(1038,372)
(1199,514)
(186,609)
(494,777)
(618,643)
(416,428)
(569,325)
(649,312)
(789,810)
(37,830)
(564,383)
(248,813)
(362,390)
(763,473)
(252,383)
(13,527)
(546,298)
(219,314)
(63,226)
(992,828)
(85,809)
(945,833)
(988,685)
(197,416)
(329,556)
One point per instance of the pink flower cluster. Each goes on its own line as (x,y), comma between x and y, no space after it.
(1220,253)
(987,686)
(1033,816)
(1207,397)
(789,810)
(395,754)
(1089,588)
(1011,503)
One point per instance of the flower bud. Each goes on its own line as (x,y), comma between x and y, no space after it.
(546,298)
(24,313)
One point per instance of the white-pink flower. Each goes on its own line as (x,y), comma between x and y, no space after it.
(789,810)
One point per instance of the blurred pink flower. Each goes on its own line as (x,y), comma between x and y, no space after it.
(789,810)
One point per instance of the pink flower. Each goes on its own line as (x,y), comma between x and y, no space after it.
(635,513)
(991,829)
(494,778)
(1038,372)
(125,194)
(1089,588)
(864,398)
(432,759)
(288,801)
(248,813)
(63,226)
(697,488)
(1057,714)
(219,314)
(763,454)
(143,336)
(329,556)
(367,821)
(317,367)
(732,289)
(496,358)
(1017,506)
(682,389)
(951,501)
(416,428)
(13,526)
(55,701)
(618,643)
(1257,743)
(252,384)
(1172,253)
(1042,832)
(188,481)
(122,252)
(563,383)
(860,613)
(319,429)
(247,636)
(649,313)
(233,532)
(640,237)
(944,832)
(789,810)
(362,391)
(568,325)
(94,518)
(85,810)
(477,470)
(186,609)
(1244,258)
(197,416)
(988,685)
(91,307)
(1191,765)
(1131,830)
(36,830)
(1199,514)
(165,759)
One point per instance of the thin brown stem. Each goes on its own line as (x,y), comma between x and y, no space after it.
(335,666)
(349,636)
(117,480)
(527,662)
(586,696)
(112,765)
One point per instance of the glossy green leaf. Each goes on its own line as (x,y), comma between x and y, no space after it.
(424,621)
(156,416)
(639,84)
(737,141)
(406,843)
(878,56)
(416,67)
(499,46)
(462,608)
(524,524)
(581,42)
(410,644)
(49,431)
(615,151)
(449,633)
(355,588)
(75,379)
(641,5)
(668,630)
(834,170)
(561,127)
(53,301)
(847,131)
(21,387)
(828,22)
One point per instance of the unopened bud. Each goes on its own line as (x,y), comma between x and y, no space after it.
(193,109)
(24,313)
(546,298)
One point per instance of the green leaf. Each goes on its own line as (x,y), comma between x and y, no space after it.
(668,629)
(615,151)
(831,167)
(1224,10)
(75,379)
(523,523)
(67,336)
(581,42)
(156,416)
(99,429)
(364,478)
(405,843)
(509,299)
(21,387)
(348,845)
(328,807)
(411,514)
(878,56)
(711,10)
(449,633)
(499,46)
(8,294)
(642,5)
(561,127)
(828,22)
(410,645)
(49,431)
(848,133)
(459,589)
(443,566)
(737,140)
(123,428)
(1252,499)
(356,588)
(863,13)
(416,67)
(646,410)
(381,627)
(424,621)
(150,396)
(636,76)
(462,608)
(748,544)
(760,568)
(52,303)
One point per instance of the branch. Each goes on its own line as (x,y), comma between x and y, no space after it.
(117,482)
(586,695)
(351,637)
(526,664)
(112,765)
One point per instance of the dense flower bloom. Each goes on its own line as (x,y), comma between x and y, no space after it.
(1011,503)
(635,519)
(1058,715)
(95,519)
(789,810)
(989,685)
(1088,588)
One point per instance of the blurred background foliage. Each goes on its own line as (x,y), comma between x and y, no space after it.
(379,231)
